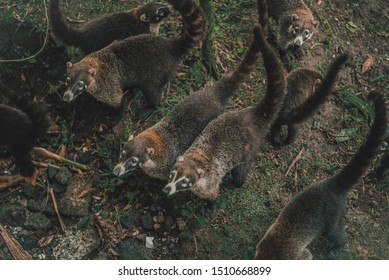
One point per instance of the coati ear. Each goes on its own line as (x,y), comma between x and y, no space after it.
(130,137)
(295,17)
(150,151)
(315,24)
(180,159)
(93,72)
(69,65)
(200,172)
(144,18)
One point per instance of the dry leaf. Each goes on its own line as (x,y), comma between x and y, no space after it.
(44,241)
(367,64)
(319,2)
(62,151)
(86,192)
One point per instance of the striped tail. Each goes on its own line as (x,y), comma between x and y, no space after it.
(309,106)
(270,105)
(233,80)
(59,27)
(349,175)
(195,23)
(263,15)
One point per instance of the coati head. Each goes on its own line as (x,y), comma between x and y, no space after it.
(154,12)
(297,29)
(133,156)
(183,177)
(79,77)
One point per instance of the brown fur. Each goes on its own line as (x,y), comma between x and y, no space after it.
(320,209)
(99,33)
(293,17)
(306,91)
(230,142)
(145,61)
(183,124)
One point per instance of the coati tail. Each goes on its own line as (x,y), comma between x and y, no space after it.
(59,26)
(263,15)
(350,174)
(242,72)
(270,105)
(194,21)
(306,109)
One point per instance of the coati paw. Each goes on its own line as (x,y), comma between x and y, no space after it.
(228,184)
(210,207)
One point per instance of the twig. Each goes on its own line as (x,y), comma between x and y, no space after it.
(44,43)
(9,181)
(296,159)
(62,224)
(47,154)
(13,245)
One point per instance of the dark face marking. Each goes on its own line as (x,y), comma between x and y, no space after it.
(133,156)
(182,178)
(154,12)
(77,81)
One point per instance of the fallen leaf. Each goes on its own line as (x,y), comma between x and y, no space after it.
(62,151)
(367,64)
(44,241)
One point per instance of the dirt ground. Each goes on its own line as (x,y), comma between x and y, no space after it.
(241,216)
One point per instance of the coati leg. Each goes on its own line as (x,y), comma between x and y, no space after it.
(152,94)
(337,235)
(275,133)
(23,162)
(117,114)
(210,206)
(239,175)
(292,133)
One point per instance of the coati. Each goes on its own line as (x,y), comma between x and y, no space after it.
(320,209)
(146,61)
(296,23)
(155,149)
(231,141)
(384,163)
(100,32)
(20,128)
(305,93)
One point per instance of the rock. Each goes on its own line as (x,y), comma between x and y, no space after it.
(71,204)
(12,215)
(77,245)
(147,222)
(58,188)
(128,221)
(169,222)
(131,249)
(51,172)
(37,221)
(149,242)
(63,175)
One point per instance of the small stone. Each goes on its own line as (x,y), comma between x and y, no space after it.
(37,221)
(51,172)
(63,176)
(149,242)
(157,226)
(58,188)
(169,222)
(147,222)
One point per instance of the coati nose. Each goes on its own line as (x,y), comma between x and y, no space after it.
(119,170)
(166,190)
(298,41)
(67,96)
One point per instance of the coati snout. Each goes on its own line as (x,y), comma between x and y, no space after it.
(77,81)
(133,156)
(183,176)
(154,12)
(300,30)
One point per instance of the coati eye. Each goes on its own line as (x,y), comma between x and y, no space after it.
(80,85)
(133,160)
(306,33)
(296,30)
